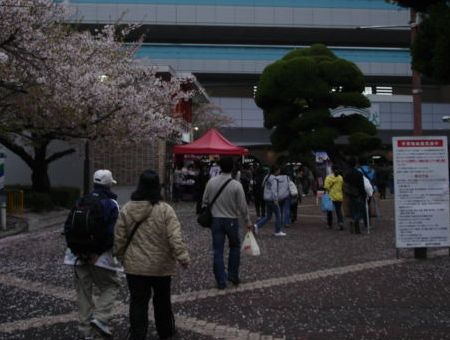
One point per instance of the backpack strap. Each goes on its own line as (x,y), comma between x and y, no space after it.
(366,175)
(265,180)
(219,192)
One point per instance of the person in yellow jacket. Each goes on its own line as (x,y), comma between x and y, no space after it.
(333,185)
(149,242)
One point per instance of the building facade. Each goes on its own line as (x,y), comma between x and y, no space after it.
(228,43)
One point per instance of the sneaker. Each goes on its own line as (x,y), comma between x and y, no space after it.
(221,286)
(101,327)
(234,281)
(255,229)
(280,233)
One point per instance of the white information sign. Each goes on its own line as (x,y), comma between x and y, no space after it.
(421,183)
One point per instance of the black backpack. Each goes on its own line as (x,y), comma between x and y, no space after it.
(86,229)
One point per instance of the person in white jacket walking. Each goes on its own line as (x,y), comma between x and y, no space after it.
(271,198)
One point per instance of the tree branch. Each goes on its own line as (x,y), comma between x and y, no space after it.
(59,155)
(18,150)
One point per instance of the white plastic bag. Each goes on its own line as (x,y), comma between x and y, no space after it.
(250,246)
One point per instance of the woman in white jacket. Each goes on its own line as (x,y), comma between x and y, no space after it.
(271,198)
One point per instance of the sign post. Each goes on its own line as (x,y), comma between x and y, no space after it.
(421,183)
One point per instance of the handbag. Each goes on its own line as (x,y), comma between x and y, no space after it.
(250,246)
(326,204)
(292,188)
(204,218)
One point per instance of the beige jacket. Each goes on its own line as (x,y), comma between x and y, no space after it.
(157,244)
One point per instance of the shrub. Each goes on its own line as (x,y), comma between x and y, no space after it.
(57,197)
(37,201)
(64,196)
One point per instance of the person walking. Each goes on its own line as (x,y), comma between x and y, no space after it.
(200,184)
(382,180)
(369,178)
(178,179)
(333,185)
(270,185)
(246,179)
(284,198)
(149,243)
(355,190)
(228,207)
(89,232)
(258,190)
(295,201)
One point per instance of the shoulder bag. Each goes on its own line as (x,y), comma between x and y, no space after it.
(205,216)
(135,228)
(292,188)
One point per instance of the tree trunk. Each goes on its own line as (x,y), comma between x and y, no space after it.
(39,177)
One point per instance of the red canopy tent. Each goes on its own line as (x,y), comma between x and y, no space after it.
(211,143)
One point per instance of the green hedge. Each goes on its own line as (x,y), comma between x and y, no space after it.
(64,197)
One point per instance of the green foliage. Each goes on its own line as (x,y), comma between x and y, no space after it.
(431,47)
(64,197)
(351,124)
(361,142)
(418,5)
(297,92)
(38,202)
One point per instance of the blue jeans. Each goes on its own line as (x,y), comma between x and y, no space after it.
(285,206)
(228,227)
(271,208)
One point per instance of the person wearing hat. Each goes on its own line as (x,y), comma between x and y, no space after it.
(97,268)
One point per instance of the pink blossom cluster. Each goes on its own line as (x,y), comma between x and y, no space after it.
(60,83)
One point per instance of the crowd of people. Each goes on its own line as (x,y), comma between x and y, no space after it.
(144,238)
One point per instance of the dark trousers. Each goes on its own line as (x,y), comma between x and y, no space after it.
(260,205)
(141,288)
(338,210)
(294,207)
(382,190)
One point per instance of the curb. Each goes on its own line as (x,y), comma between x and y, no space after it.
(31,222)
(16,231)
(41,221)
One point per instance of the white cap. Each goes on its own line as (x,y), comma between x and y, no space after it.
(104,177)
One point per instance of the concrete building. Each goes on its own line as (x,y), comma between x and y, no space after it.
(227,44)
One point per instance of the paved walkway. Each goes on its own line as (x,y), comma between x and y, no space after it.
(314,284)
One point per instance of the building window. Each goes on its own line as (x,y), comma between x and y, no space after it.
(384,90)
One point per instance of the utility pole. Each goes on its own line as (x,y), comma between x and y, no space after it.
(419,253)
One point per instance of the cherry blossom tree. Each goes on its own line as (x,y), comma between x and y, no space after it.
(61,84)
(206,116)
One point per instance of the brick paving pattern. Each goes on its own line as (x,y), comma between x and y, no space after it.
(314,284)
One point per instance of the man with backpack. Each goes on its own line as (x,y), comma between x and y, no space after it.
(89,232)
